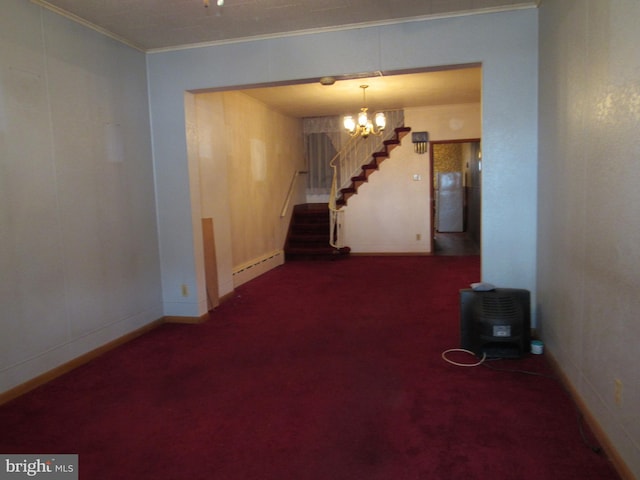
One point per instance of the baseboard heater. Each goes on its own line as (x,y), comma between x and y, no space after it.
(256,267)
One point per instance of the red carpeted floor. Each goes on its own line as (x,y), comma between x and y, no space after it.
(314,371)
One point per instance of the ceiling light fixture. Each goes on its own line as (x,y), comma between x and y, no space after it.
(327,80)
(363,126)
(219,3)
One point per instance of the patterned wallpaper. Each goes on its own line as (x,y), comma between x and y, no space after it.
(447,157)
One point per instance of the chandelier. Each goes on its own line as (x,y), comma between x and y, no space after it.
(364,126)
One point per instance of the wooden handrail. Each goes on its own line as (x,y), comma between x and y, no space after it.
(287,200)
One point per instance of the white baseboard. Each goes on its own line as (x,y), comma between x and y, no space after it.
(256,267)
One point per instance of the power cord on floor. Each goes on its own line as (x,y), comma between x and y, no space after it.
(446,352)
(484,362)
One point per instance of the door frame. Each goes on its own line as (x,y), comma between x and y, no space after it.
(432,205)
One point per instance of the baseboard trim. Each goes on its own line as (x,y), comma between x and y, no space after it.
(187,320)
(226,297)
(196,320)
(603,439)
(54,373)
(75,363)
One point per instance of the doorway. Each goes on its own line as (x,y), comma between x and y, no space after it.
(456,167)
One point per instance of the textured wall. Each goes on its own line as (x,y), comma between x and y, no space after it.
(506,45)
(79,262)
(588,260)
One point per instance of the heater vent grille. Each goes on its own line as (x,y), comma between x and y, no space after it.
(499,307)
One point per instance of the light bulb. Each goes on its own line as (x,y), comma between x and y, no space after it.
(349,124)
(363,119)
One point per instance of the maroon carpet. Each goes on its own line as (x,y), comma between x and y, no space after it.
(319,371)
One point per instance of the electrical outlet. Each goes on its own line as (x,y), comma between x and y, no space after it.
(418,236)
(617,391)
(185,290)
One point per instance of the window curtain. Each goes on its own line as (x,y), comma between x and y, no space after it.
(323,137)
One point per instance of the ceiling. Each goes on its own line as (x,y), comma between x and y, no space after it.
(161,24)
(388,92)
(157,25)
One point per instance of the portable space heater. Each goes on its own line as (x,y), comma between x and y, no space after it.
(496,323)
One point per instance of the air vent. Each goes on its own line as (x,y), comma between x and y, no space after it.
(499,307)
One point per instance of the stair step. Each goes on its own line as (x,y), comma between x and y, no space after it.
(319,239)
(369,168)
(310,207)
(318,229)
(311,210)
(401,132)
(324,219)
(308,236)
(390,145)
(347,196)
(322,253)
(372,165)
(313,217)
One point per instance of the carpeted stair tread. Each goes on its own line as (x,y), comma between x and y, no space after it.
(308,237)
(295,239)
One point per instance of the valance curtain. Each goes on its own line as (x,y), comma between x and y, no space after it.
(323,138)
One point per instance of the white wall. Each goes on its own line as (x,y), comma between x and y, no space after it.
(589,233)
(506,45)
(392,209)
(79,262)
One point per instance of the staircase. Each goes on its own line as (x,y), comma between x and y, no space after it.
(310,230)
(308,237)
(374,163)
